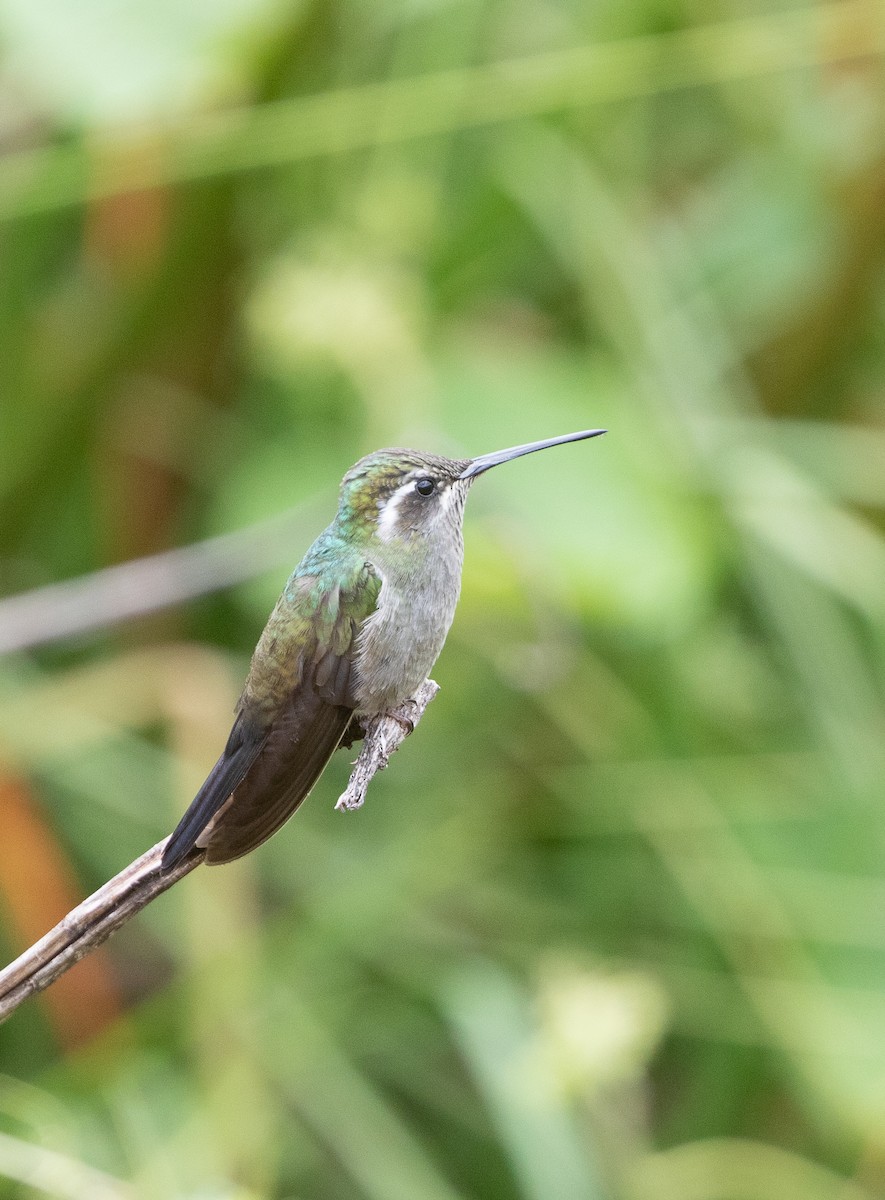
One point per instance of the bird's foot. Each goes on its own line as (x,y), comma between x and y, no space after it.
(405,715)
(384,734)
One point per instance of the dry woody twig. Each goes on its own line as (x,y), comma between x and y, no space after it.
(384,735)
(93,921)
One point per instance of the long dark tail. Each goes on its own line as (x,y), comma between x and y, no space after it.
(242,749)
(260,780)
(293,757)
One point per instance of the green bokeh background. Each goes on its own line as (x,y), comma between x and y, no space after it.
(612,927)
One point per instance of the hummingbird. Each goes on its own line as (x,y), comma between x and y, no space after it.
(357,629)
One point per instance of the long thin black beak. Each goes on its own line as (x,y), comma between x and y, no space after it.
(478,465)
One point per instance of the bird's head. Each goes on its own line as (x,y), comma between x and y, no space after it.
(402,494)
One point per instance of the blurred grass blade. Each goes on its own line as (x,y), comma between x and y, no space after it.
(397,110)
(503,1050)
(734,1169)
(378,1150)
(57,1175)
(147,585)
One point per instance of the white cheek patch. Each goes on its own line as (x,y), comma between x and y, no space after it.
(387,517)
(450,498)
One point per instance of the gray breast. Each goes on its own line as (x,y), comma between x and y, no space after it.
(401,641)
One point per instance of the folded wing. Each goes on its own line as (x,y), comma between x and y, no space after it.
(296,707)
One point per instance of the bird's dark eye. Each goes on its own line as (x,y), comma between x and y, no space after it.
(425,487)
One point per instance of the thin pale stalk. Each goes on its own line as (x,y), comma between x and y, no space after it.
(101,914)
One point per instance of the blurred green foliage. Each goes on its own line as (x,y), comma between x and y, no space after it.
(613,925)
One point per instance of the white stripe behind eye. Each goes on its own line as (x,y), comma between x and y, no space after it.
(387,517)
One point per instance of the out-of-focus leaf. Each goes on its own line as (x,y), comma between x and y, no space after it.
(124,62)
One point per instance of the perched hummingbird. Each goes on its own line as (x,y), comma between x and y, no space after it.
(356,631)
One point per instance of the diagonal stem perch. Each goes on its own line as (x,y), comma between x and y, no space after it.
(88,925)
(101,914)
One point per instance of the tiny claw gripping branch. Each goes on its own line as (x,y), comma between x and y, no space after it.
(384,735)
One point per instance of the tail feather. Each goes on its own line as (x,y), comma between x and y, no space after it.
(293,757)
(243,747)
